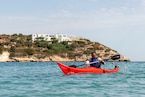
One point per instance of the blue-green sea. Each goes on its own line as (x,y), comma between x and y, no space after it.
(45,79)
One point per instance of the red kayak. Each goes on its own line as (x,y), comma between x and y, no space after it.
(71,70)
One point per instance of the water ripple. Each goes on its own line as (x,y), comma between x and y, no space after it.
(42,79)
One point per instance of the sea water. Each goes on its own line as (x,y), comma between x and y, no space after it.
(45,79)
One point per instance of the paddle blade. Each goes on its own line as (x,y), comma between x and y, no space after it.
(115,57)
(74,66)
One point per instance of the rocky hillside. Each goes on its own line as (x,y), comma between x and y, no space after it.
(18,47)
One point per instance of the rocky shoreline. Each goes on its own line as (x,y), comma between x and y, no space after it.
(4,57)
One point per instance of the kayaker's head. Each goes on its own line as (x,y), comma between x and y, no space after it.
(93,54)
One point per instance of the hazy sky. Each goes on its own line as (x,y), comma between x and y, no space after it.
(118,24)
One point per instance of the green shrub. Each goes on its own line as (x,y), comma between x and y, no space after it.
(74,45)
(99,48)
(64,43)
(12,54)
(42,43)
(87,52)
(81,43)
(12,49)
(108,50)
(1,49)
(29,51)
(59,48)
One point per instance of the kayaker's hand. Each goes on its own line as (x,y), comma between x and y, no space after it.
(87,62)
(102,62)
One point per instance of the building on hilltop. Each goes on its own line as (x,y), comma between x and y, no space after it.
(62,37)
(47,37)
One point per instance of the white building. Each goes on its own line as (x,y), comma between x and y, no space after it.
(62,37)
(47,37)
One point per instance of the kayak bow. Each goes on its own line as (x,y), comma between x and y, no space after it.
(71,70)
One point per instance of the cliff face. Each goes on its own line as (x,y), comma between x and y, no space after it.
(20,48)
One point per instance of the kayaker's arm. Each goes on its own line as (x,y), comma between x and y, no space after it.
(88,63)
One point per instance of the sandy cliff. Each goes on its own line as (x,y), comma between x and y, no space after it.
(4,57)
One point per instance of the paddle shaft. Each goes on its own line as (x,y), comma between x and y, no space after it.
(87,64)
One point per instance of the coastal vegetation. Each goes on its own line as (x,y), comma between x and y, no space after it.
(19,45)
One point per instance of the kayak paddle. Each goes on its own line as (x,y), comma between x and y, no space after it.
(115,57)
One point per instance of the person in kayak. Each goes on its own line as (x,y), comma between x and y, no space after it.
(94,61)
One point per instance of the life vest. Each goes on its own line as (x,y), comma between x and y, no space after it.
(96,62)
